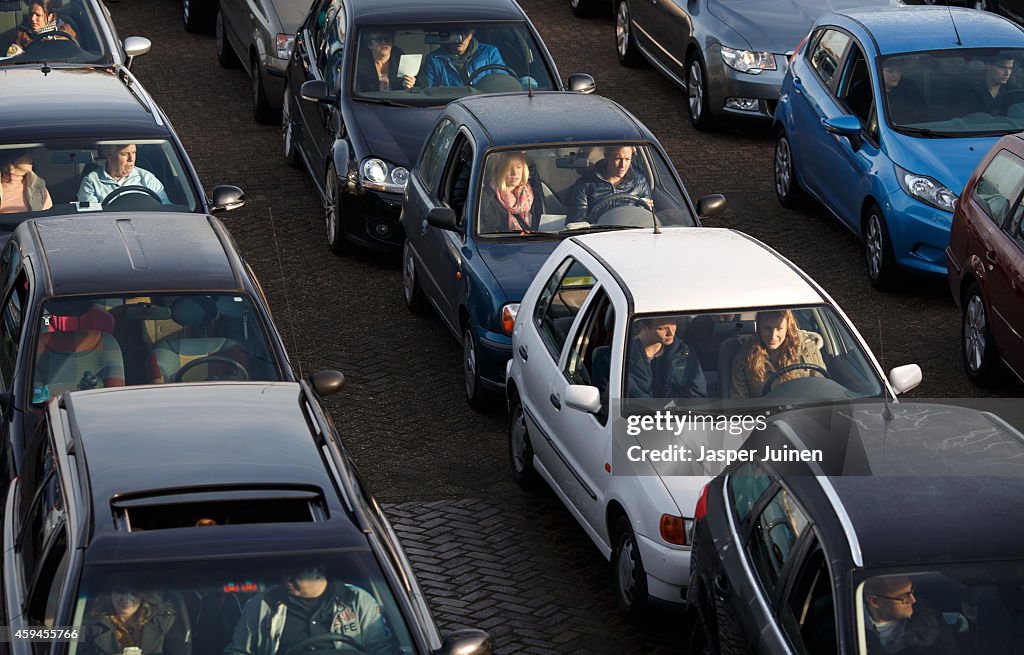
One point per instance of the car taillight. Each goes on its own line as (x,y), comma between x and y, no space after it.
(508,317)
(673,529)
(701,510)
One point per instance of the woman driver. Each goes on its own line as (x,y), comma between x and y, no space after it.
(778,343)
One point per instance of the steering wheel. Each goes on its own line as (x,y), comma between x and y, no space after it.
(601,206)
(1003,101)
(328,637)
(774,375)
(125,190)
(490,67)
(238,371)
(56,35)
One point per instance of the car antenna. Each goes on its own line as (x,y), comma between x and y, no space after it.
(955,31)
(886,412)
(284,287)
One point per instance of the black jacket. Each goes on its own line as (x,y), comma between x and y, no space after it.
(926,634)
(162,634)
(675,373)
(366,71)
(593,187)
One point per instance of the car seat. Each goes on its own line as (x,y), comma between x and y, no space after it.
(726,355)
(10,17)
(73,359)
(169,356)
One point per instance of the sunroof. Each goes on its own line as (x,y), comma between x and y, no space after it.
(212,508)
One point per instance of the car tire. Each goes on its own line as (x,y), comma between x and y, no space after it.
(878,253)
(520,451)
(697,94)
(477,397)
(262,110)
(412,292)
(787,186)
(699,641)
(583,8)
(291,155)
(226,56)
(628,575)
(333,217)
(194,16)
(981,360)
(625,44)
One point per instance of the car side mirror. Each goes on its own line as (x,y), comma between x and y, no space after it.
(711,205)
(135,46)
(466,642)
(904,378)
(582,83)
(584,398)
(327,383)
(848,126)
(443,218)
(316,91)
(226,197)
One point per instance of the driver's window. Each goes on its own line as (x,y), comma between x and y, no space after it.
(773,537)
(855,88)
(455,187)
(1000,185)
(808,614)
(589,358)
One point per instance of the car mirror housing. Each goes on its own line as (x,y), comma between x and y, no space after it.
(443,218)
(848,126)
(327,383)
(316,91)
(582,83)
(226,197)
(466,642)
(136,46)
(584,398)
(711,205)
(904,378)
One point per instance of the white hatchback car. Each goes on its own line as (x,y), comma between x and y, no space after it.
(617,328)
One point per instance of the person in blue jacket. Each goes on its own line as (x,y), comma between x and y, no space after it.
(454,64)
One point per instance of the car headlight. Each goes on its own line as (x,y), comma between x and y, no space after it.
(284,45)
(378,174)
(927,190)
(747,61)
(508,317)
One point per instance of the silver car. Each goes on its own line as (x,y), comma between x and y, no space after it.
(259,35)
(730,55)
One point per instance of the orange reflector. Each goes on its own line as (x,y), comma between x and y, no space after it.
(607,467)
(458,275)
(672,529)
(508,319)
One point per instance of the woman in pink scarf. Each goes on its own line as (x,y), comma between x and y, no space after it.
(510,183)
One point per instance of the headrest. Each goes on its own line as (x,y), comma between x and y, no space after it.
(609,319)
(194,311)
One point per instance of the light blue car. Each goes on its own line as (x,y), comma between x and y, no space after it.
(884,114)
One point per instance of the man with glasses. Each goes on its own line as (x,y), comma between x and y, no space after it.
(895,628)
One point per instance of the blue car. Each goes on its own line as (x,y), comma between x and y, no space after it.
(501,180)
(883,116)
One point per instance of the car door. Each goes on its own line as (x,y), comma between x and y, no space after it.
(672,27)
(1006,298)
(315,56)
(234,15)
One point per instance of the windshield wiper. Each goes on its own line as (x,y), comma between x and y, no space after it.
(379,101)
(928,134)
(598,228)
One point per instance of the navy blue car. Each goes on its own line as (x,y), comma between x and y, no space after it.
(500,181)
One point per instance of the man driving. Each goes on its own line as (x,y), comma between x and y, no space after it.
(611,175)
(455,63)
(120,171)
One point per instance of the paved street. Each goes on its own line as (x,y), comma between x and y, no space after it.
(488,554)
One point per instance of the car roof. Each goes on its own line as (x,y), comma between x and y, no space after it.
(132,252)
(712,268)
(96,103)
(412,11)
(914,28)
(511,119)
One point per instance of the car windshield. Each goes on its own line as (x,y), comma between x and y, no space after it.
(971,609)
(33,32)
(431,65)
(113,341)
(205,607)
(67,177)
(578,187)
(966,92)
(745,359)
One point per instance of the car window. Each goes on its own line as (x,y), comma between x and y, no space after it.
(329,54)
(46,506)
(808,612)
(74,36)
(457,172)
(773,535)
(11,327)
(10,261)
(45,592)
(563,296)
(589,359)
(318,23)
(746,484)
(434,152)
(855,87)
(827,53)
(1000,185)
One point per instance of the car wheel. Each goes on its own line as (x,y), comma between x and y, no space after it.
(583,8)
(262,111)
(194,16)
(697,94)
(226,56)
(881,262)
(979,352)
(476,395)
(415,301)
(628,573)
(336,240)
(291,155)
(520,452)
(625,46)
(787,188)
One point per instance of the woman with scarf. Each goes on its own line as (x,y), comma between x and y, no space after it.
(507,203)
(778,343)
(21,190)
(126,618)
(42,23)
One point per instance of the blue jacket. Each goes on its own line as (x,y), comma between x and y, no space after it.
(441,71)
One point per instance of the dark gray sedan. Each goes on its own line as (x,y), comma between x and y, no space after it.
(730,55)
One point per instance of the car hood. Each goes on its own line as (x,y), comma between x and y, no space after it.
(514,263)
(950,161)
(777,26)
(392,133)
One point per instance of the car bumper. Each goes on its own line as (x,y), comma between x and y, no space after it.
(668,569)
(494,350)
(919,233)
(727,84)
(371,220)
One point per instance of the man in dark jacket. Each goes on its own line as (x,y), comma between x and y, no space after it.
(894,627)
(661,366)
(613,174)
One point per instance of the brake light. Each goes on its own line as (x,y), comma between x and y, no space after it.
(701,510)
(673,529)
(508,317)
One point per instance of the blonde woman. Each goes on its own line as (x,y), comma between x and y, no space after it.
(21,190)
(507,203)
(778,343)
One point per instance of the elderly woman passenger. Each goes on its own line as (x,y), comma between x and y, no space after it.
(507,202)
(21,190)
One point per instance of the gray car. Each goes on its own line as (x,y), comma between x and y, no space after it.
(730,55)
(259,35)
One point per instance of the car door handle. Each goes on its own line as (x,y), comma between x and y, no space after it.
(797,86)
(522,353)
(555,400)
(720,584)
(990,255)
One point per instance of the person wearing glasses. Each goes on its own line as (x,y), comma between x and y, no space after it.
(896,625)
(377,68)
(307,611)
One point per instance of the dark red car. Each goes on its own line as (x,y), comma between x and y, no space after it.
(985,259)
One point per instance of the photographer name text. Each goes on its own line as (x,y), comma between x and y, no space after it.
(724,455)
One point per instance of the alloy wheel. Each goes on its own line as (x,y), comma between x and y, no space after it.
(469,364)
(695,89)
(783,167)
(622,29)
(875,246)
(975,331)
(330,208)
(286,123)
(409,276)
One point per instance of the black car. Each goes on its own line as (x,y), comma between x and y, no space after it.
(203,506)
(904,538)
(68,126)
(357,139)
(105,300)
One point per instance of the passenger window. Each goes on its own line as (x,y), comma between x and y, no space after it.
(855,89)
(827,54)
(808,615)
(45,592)
(1000,185)
(561,300)
(329,54)
(772,537)
(746,484)
(455,188)
(11,321)
(437,147)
